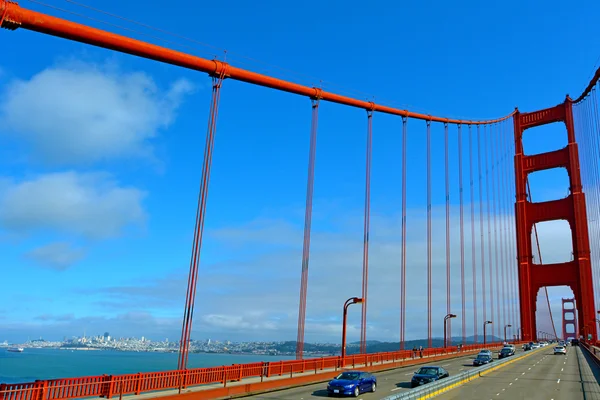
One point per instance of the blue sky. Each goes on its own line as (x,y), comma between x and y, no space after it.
(101,156)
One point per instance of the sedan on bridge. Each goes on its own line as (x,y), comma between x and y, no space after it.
(482,359)
(428,374)
(560,350)
(352,383)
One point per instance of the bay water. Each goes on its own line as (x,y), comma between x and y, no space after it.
(35,364)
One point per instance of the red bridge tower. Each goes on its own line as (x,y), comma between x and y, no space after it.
(577,274)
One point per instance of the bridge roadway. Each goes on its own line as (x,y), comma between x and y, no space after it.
(541,376)
(388,382)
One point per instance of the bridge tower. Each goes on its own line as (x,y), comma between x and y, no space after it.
(569,319)
(577,274)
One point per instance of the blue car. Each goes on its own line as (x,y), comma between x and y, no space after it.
(428,374)
(352,383)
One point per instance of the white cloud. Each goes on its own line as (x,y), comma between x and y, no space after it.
(59,255)
(83,113)
(254,295)
(91,205)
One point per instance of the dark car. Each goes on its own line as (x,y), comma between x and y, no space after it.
(352,383)
(482,359)
(428,374)
(506,352)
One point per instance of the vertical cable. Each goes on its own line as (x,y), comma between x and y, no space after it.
(429,234)
(489,225)
(462,238)
(307,228)
(502,220)
(403,261)
(507,231)
(481,232)
(497,254)
(188,314)
(596,188)
(499,325)
(447,181)
(473,262)
(500,228)
(365,278)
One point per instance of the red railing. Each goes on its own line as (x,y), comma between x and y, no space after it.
(117,385)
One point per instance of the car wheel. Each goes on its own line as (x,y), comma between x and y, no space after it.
(356,392)
(373,387)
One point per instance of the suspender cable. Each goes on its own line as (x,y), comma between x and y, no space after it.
(501,220)
(489,225)
(188,314)
(506,214)
(473,262)
(429,234)
(481,234)
(462,239)
(596,190)
(495,195)
(447,181)
(403,260)
(494,163)
(365,277)
(307,228)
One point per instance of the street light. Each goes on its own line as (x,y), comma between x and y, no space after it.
(446,318)
(506,326)
(351,300)
(484,324)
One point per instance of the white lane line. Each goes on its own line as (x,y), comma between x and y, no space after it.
(516,379)
(393,390)
(503,390)
(445,365)
(510,384)
(558,381)
(407,374)
(565,362)
(530,368)
(562,369)
(523,373)
(497,394)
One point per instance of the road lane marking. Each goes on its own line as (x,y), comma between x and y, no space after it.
(510,384)
(562,369)
(445,365)
(393,390)
(558,381)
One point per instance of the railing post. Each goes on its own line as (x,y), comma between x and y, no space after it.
(108,386)
(224,376)
(138,383)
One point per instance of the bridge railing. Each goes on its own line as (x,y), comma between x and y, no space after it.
(108,386)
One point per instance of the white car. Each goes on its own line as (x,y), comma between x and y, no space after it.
(560,350)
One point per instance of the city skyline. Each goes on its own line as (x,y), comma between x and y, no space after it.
(98,191)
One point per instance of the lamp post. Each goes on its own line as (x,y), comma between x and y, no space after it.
(351,300)
(506,326)
(446,318)
(484,324)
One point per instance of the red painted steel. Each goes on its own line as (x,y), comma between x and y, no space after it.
(429,234)
(109,386)
(188,315)
(403,261)
(365,275)
(447,183)
(481,232)
(489,225)
(16,16)
(473,252)
(577,273)
(499,322)
(462,240)
(566,322)
(312,152)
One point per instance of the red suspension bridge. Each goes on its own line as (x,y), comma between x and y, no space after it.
(497,253)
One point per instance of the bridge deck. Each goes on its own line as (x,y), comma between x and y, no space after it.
(388,382)
(213,391)
(541,376)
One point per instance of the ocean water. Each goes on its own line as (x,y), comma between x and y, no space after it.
(35,364)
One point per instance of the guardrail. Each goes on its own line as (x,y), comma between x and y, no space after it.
(108,386)
(592,350)
(433,389)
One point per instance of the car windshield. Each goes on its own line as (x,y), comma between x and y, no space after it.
(350,376)
(482,357)
(427,371)
(506,350)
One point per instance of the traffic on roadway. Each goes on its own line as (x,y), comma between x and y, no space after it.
(546,374)
(378,385)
